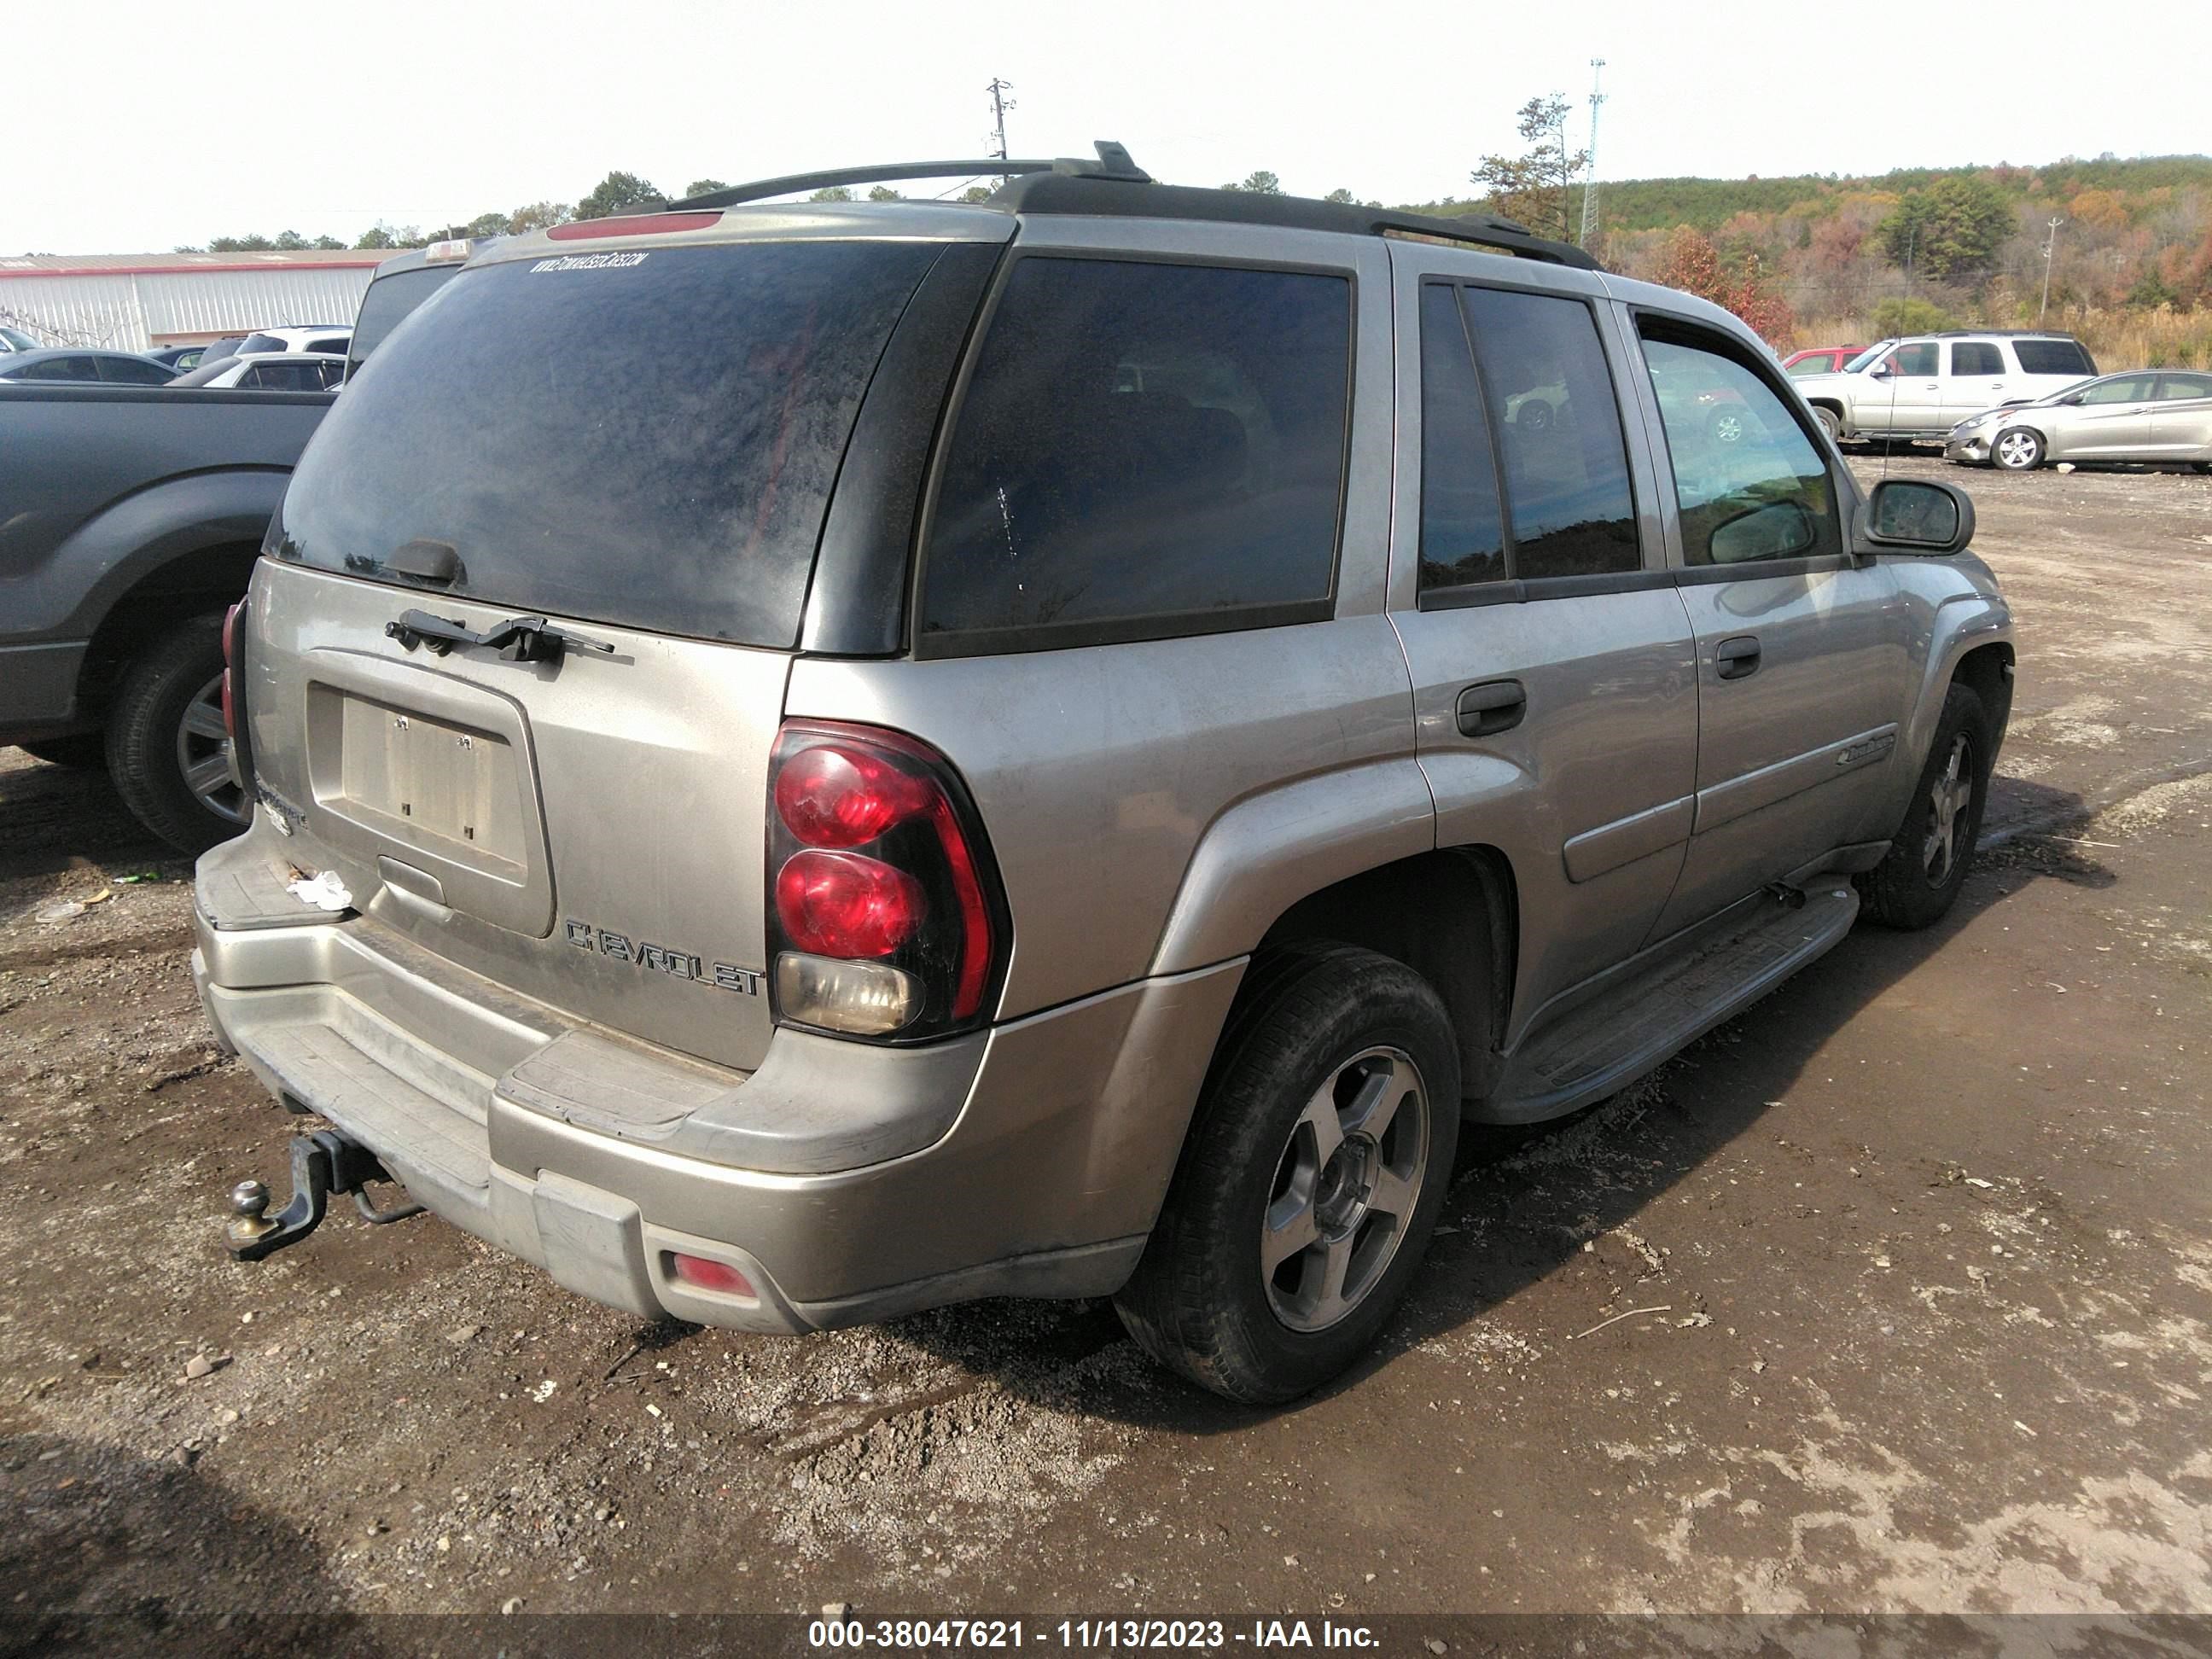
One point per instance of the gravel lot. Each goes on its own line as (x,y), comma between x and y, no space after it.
(1926,1238)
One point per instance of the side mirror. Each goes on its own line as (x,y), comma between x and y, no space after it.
(2077,399)
(1920,516)
(1880,371)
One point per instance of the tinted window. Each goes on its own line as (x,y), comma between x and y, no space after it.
(1750,484)
(1918,358)
(285,377)
(1975,357)
(2052,357)
(1462,528)
(1144,450)
(131,370)
(645,437)
(330,343)
(1551,402)
(2121,389)
(254,343)
(2184,386)
(61,368)
(390,298)
(1824,364)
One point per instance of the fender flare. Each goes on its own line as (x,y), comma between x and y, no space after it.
(1267,851)
(141,535)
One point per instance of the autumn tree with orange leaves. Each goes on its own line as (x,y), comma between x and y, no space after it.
(1693,264)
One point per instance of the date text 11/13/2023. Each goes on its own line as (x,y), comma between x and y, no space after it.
(1089,1633)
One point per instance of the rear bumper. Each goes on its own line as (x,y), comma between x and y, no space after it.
(1063,1130)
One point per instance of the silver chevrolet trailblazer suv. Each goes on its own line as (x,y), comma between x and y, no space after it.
(817,761)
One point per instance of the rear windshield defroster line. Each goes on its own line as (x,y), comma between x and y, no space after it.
(649,444)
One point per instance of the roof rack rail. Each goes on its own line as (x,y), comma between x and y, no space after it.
(1114,185)
(1113,162)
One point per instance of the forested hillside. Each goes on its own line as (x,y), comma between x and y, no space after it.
(1813,260)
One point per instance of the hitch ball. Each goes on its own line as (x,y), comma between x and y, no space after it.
(249,1200)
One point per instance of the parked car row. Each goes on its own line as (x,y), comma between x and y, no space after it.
(24,360)
(2011,400)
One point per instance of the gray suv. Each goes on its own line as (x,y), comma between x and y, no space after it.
(817,761)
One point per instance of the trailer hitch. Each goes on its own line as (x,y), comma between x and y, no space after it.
(323,1163)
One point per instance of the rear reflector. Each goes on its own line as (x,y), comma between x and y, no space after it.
(632,224)
(709,1275)
(230,669)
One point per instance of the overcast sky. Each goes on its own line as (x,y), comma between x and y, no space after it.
(129,127)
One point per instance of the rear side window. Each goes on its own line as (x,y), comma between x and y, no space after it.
(1144,450)
(390,299)
(2052,357)
(254,343)
(1551,401)
(645,437)
(1975,357)
(329,343)
(2172,386)
(126,371)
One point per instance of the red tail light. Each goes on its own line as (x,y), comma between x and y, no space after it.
(709,1274)
(887,918)
(846,904)
(230,625)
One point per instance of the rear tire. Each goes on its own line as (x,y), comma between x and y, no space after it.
(1831,423)
(165,740)
(1928,861)
(86,751)
(2017,449)
(1325,1043)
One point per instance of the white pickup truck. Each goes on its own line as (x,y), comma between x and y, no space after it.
(1924,386)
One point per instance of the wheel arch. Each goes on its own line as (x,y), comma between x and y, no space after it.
(1425,911)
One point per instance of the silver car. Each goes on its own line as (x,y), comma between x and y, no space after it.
(2146,416)
(1057,747)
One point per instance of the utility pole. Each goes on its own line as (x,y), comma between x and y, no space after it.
(999,105)
(1590,178)
(2050,247)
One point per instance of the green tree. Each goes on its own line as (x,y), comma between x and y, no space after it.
(376,236)
(884,193)
(289,241)
(619,192)
(484,224)
(328,242)
(1262,182)
(239,244)
(1897,316)
(700,187)
(835,193)
(1534,187)
(1952,231)
(538,216)
(976,193)
(1344,196)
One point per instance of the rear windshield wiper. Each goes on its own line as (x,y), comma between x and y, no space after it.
(519,639)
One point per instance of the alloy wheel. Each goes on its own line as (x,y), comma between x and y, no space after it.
(203,755)
(1948,798)
(2016,450)
(1344,1189)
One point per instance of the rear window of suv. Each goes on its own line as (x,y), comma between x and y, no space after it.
(2052,357)
(645,438)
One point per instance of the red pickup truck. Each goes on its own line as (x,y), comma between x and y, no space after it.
(1819,360)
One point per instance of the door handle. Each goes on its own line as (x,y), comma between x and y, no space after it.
(1733,659)
(1492,707)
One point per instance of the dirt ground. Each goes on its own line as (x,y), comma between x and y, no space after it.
(1921,1249)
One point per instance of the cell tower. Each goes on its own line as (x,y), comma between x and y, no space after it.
(1590,178)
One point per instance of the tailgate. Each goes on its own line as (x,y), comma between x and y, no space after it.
(587,832)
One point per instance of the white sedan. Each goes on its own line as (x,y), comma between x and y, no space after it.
(271,371)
